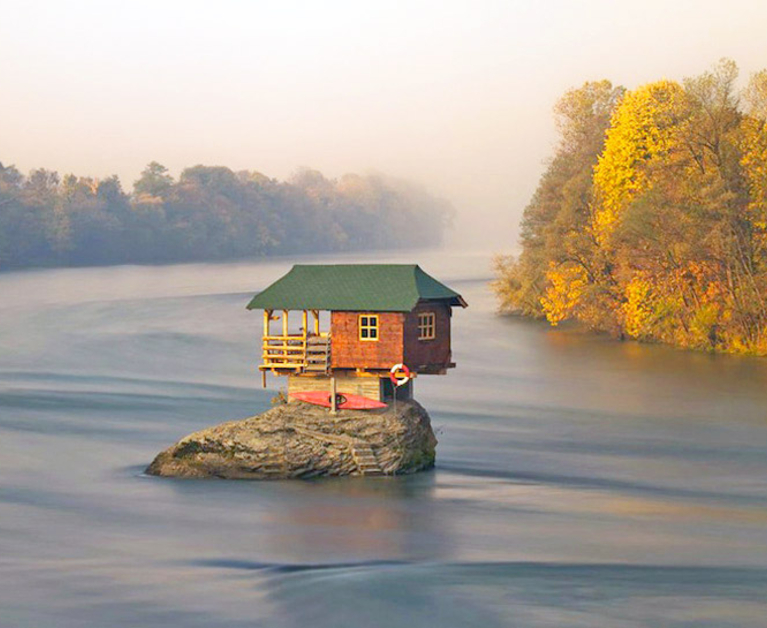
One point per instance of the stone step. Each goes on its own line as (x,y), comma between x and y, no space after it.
(365,459)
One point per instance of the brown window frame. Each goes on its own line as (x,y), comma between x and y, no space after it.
(371,325)
(427,326)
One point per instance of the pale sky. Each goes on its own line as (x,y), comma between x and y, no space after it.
(454,95)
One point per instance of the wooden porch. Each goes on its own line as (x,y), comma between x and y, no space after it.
(293,353)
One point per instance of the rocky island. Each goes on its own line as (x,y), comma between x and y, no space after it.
(300,440)
(384,325)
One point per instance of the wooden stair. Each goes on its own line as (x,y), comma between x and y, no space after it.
(317,354)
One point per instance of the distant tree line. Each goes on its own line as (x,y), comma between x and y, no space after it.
(209,213)
(650,221)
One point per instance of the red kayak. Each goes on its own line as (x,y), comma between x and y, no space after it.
(344,401)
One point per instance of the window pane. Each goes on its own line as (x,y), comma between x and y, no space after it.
(368,326)
(426,326)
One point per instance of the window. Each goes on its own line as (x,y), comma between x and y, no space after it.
(426,326)
(368,326)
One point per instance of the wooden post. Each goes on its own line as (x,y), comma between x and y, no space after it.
(284,322)
(264,344)
(394,394)
(305,321)
(316,314)
(333,408)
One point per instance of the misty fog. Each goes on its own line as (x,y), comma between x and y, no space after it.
(456,96)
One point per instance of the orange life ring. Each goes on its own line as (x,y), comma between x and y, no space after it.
(399,375)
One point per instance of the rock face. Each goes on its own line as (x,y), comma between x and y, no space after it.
(299,440)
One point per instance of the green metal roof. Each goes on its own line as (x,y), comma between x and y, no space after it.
(354,287)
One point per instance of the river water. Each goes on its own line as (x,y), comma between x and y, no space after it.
(579,482)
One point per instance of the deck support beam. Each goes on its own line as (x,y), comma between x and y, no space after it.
(333,409)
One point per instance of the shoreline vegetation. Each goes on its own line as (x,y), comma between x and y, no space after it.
(210,213)
(650,221)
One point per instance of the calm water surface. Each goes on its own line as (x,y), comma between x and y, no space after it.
(579,482)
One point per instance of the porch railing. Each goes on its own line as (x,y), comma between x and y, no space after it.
(296,352)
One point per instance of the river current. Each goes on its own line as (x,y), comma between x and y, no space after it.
(579,482)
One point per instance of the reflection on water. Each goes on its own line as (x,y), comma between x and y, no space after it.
(360,517)
(580,482)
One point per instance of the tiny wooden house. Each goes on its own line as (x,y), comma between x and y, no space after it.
(380,315)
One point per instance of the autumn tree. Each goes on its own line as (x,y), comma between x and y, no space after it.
(556,237)
(673,249)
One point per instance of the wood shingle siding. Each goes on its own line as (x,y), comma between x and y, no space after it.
(349,352)
(433,354)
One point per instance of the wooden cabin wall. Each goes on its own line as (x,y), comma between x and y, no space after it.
(434,353)
(348,351)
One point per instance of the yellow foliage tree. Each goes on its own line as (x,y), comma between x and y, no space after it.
(565,286)
(754,148)
(645,127)
(664,237)
(637,309)
(754,162)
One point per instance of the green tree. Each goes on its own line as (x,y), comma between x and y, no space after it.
(153,182)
